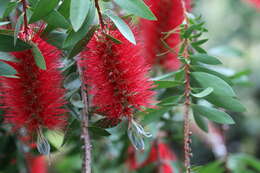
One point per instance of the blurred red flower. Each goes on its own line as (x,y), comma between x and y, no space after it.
(170,14)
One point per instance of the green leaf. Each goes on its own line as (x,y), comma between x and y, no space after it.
(78,13)
(99,131)
(55,19)
(38,57)
(201,122)
(73,37)
(82,43)
(121,25)
(170,100)
(4,23)
(204,58)
(214,167)
(76,101)
(198,68)
(226,102)
(136,7)
(64,8)
(42,9)
(113,39)
(207,80)
(153,115)
(107,122)
(203,93)
(7,57)
(213,114)
(6,69)
(72,81)
(56,39)
(168,75)
(167,84)
(10,7)
(7,44)
(199,42)
(17,27)
(55,138)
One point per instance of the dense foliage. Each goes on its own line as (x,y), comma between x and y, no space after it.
(123,86)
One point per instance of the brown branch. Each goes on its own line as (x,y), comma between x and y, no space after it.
(187,132)
(99,15)
(86,163)
(26,27)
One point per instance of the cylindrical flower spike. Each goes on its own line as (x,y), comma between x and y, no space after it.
(34,100)
(116,75)
(158,47)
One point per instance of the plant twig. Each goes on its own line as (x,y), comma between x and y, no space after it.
(99,15)
(187,91)
(86,163)
(26,27)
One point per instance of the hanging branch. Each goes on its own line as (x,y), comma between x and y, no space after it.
(86,163)
(187,92)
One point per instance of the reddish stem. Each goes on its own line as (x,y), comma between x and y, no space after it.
(99,15)
(86,163)
(26,28)
(187,132)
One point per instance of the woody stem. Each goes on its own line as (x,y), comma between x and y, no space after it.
(26,28)
(86,164)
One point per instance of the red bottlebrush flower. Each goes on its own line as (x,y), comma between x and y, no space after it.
(170,15)
(35,99)
(37,164)
(159,152)
(255,3)
(117,76)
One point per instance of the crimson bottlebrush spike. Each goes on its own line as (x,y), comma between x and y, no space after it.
(117,76)
(160,152)
(170,14)
(34,100)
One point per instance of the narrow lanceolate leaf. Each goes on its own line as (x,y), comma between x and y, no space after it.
(55,19)
(203,93)
(226,102)
(73,37)
(38,57)
(82,43)
(4,23)
(122,26)
(6,70)
(167,84)
(42,9)
(206,59)
(7,44)
(207,80)
(78,12)
(99,131)
(64,8)
(136,7)
(213,114)
(17,27)
(10,7)
(200,121)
